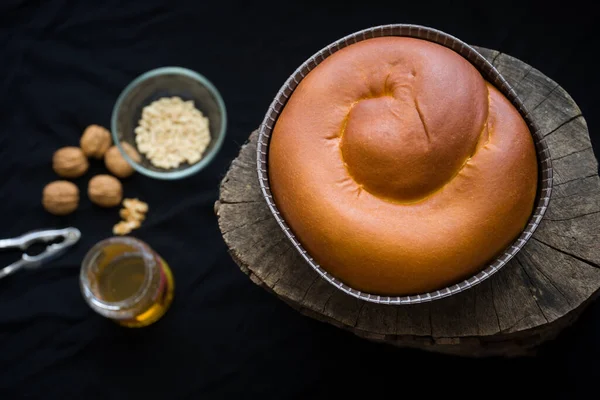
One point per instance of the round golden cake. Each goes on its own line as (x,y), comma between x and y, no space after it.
(399,168)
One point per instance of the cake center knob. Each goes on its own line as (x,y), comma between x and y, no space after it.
(391,150)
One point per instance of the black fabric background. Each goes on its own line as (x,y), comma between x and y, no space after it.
(62,65)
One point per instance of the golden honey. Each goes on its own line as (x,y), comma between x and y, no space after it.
(123,279)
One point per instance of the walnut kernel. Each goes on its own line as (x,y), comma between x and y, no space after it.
(60,197)
(105,190)
(116,163)
(133,213)
(135,205)
(95,141)
(125,227)
(70,162)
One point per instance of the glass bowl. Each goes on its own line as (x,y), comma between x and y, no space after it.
(168,82)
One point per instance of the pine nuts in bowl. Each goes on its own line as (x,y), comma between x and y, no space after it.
(174,117)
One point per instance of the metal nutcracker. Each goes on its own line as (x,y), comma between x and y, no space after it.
(69,237)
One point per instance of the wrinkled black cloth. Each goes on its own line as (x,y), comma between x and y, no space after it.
(63,64)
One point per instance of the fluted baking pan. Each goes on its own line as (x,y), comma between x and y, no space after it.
(489,73)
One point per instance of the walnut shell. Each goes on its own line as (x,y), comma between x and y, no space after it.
(60,197)
(116,163)
(105,191)
(70,162)
(95,141)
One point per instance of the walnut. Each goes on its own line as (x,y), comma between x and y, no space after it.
(60,197)
(95,141)
(70,162)
(105,190)
(116,163)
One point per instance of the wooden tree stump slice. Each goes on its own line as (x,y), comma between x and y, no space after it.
(538,293)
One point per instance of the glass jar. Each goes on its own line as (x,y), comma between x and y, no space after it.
(124,280)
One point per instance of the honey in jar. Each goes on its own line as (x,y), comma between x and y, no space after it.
(123,279)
